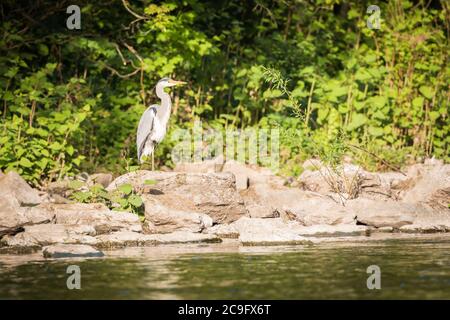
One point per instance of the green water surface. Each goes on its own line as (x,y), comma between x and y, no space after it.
(418,269)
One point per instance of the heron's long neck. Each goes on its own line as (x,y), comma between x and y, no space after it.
(166,105)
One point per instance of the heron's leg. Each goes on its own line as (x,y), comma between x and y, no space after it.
(153,161)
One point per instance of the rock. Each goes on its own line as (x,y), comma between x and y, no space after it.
(318,211)
(248,175)
(277,197)
(320,230)
(382,213)
(162,219)
(14,216)
(10,214)
(35,215)
(70,251)
(425,227)
(223,231)
(260,211)
(378,185)
(312,180)
(242,178)
(340,230)
(312,164)
(58,188)
(428,220)
(440,199)
(13,184)
(127,238)
(345,179)
(56,198)
(427,183)
(47,234)
(382,229)
(431,187)
(103,179)
(185,237)
(433,162)
(245,174)
(381,185)
(205,166)
(294,204)
(254,231)
(96,215)
(351,181)
(213,194)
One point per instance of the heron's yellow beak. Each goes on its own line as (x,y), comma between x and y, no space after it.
(175,82)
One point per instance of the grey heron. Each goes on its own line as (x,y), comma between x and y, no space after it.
(153,123)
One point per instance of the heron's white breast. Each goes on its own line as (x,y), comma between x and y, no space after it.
(159,131)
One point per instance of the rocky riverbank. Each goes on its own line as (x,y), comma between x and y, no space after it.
(213,202)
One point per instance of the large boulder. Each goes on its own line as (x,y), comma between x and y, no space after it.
(248,175)
(96,215)
(258,231)
(245,174)
(12,184)
(213,194)
(47,234)
(305,207)
(431,186)
(160,218)
(223,231)
(10,213)
(312,211)
(350,181)
(127,238)
(13,216)
(18,203)
(272,230)
(382,213)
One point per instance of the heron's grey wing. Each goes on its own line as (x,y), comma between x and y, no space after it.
(145,128)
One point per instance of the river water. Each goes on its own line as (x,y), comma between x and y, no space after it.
(410,269)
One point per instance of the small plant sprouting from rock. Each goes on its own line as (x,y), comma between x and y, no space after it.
(345,186)
(331,153)
(121,199)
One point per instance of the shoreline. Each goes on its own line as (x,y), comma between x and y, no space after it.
(246,204)
(161,252)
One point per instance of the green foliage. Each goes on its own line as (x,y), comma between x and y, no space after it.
(121,199)
(71,100)
(39,137)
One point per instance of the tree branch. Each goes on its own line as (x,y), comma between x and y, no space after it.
(125,4)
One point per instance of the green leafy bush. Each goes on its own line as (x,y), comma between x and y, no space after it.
(71,100)
(121,199)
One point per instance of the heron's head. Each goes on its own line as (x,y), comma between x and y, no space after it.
(167,82)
